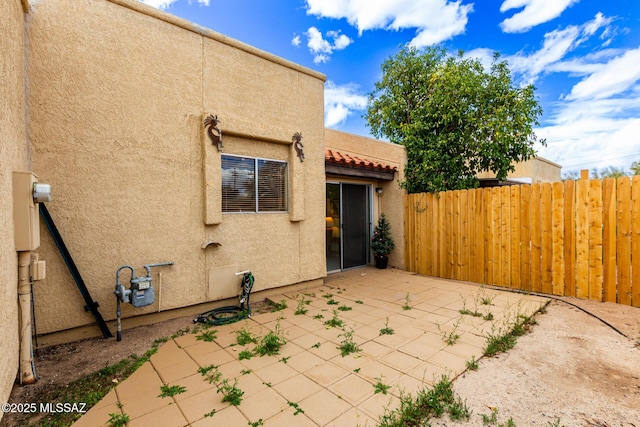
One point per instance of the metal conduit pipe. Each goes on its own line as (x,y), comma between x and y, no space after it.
(24,304)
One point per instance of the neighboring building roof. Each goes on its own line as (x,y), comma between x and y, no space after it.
(340,163)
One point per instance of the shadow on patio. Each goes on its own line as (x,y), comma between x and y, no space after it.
(310,383)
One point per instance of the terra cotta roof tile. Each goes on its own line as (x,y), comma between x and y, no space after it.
(339,158)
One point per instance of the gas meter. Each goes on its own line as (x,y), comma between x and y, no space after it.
(140,292)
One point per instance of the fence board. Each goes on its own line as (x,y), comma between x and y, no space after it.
(609,240)
(582,238)
(448,208)
(570,238)
(487,202)
(423,213)
(505,238)
(536,239)
(441,241)
(547,239)
(624,240)
(479,210)
(525,237)
(514,217)
(595,240)
(635,241)
(456,235)
(408,233)
(495,229)
(464,235)
(435,235)
(557,224)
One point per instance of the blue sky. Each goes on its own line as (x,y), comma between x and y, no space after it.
(583,56)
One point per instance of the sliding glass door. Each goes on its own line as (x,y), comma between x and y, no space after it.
(348,225)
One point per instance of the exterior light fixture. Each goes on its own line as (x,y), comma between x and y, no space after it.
(379,191)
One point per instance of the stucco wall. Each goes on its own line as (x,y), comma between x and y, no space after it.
(121,91)
(13,156)
(535,170)
(391,201)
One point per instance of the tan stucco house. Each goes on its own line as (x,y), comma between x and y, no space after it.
(119,107)
(163,141)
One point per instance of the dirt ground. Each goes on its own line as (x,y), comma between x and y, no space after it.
(571,370)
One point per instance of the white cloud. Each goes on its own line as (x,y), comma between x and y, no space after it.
(322,48)
(164,4)
(434,20)
(341,101)
(611,79)
(296,40)
(594,133)
(535,12)
(557,44)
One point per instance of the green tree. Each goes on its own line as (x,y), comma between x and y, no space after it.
(635,168)
(455,118)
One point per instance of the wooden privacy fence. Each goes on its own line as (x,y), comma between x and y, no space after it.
(573,238)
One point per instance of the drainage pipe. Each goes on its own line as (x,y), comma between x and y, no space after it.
(24,303)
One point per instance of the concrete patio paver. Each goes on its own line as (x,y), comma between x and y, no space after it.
(309,383)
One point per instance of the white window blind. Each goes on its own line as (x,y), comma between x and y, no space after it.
(242,191)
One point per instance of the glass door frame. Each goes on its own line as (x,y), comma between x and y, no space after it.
(369,207)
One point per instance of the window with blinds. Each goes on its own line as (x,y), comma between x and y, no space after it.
(244,190)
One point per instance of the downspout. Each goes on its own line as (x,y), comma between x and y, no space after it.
(27,375)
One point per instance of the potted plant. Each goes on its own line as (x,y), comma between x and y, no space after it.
(382,243)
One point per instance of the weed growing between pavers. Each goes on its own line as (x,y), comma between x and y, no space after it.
(271,343)
(348,346)
(302,303)
(298,409)
(450,336)
(232,394)
(406,305)
(207,336)
(503,338)
(335,321)
(472,364)
(279,306)
(386,330)
(244,337)
(169,391)
(428,404)
(380,387)
(118,420)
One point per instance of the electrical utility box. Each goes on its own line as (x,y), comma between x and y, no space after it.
(25,212)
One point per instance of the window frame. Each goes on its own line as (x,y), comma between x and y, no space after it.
(256,180)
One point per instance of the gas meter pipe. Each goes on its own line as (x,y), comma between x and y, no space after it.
(27,375)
